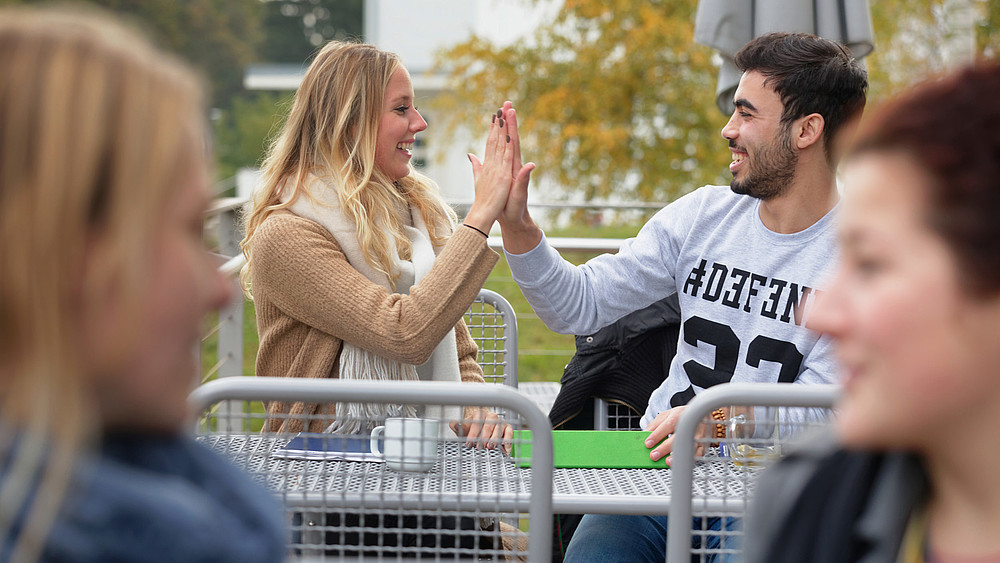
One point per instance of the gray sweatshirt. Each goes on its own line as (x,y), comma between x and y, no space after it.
(745,292)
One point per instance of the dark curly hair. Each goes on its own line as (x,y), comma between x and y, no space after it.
(811,75)
(951,128)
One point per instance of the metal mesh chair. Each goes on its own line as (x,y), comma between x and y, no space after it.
(712,483)
(609,415)
(346,505)
(493,326)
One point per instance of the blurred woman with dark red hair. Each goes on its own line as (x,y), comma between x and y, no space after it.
(910,474)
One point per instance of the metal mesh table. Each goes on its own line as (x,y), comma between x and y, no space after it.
(467,503)
(475,475)
(721,487)
(455,503)
(460,473)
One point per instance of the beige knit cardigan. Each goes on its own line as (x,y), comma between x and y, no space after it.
(309,300)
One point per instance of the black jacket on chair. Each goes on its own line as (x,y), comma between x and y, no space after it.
(623,362)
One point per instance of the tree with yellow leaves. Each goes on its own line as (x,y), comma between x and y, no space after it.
(613,97)
(917,38)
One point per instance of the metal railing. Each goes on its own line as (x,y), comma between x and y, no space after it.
(224,231)
(222,225)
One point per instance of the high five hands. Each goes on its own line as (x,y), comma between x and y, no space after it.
(501,180)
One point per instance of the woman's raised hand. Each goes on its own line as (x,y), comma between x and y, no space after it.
(499,171)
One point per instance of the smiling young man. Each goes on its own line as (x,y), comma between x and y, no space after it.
(745,260)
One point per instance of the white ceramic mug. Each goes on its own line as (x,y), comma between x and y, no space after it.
(409,444)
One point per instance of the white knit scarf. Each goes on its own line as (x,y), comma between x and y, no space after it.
(356,362)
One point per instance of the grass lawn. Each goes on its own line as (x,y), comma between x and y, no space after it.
(542,353)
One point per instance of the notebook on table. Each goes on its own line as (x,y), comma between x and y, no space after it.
(314,446)
(615,449)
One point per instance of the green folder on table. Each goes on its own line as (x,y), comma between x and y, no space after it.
(622,449)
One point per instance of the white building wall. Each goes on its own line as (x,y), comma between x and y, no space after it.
(415,30)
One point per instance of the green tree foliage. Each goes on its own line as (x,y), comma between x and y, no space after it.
(243,132)
(912,36)
(219,37)
(988,30)
(295,28)
(222,37)
(613,97)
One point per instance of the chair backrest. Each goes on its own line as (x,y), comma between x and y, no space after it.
(493,326)
(712,485)
(341,508)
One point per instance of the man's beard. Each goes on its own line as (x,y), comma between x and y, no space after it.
(772,170)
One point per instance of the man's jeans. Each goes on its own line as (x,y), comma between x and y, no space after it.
(618,537)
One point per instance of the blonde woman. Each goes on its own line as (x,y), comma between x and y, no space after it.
(353,262)
(104,279)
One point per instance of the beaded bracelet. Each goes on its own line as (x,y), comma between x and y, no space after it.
(719,416)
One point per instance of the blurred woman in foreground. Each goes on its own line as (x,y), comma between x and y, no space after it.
(915,312)
(104,281)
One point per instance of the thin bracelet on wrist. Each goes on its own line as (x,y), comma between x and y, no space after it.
(477,230)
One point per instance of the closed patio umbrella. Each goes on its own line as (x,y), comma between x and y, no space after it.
(727,25)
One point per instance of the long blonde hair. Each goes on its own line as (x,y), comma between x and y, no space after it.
(330,133)
(94,124)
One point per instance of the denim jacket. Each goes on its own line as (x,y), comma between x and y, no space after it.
(161,499)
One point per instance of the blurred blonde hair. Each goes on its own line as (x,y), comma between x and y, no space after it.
(97,127)
(331,132)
